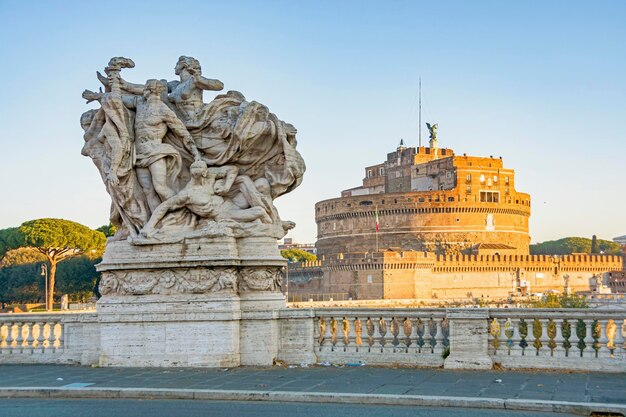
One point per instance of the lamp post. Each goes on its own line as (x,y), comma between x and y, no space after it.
(44,273)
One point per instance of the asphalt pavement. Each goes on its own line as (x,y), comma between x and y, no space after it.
(569,392)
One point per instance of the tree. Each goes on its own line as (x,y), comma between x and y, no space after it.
(107,229)
(594,244)
(571,245)
(297,255)
(57,239)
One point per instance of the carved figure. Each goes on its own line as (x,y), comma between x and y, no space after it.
(432,129)
(202,197)
(146,138)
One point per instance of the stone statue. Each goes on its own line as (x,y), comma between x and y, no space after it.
(432,129)
(176,167)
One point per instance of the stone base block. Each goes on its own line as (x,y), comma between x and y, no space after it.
(189,330)
(468,339)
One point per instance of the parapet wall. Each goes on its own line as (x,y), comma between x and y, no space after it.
(423,275)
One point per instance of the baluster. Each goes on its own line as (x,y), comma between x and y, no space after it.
(502,338)
(516,349)
(427,347)
(544,338)
(59,336)
(405,339)
(377,337)
(618,342)
(385,331)
(358,332)
(589,351)
(603,340)
(438,347)
(350,336)
(30,328)
(317,333)
(334,329)
(577,339)
(327,339)
(559,350)
(415,337)
(19,340)
(371,331)
(10,338)
(394,329)
(40,339)
(3,336)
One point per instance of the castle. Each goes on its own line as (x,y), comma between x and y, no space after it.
(429,224)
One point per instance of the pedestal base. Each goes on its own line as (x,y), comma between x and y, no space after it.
(187,304)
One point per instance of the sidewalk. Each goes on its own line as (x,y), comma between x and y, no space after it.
(579,393)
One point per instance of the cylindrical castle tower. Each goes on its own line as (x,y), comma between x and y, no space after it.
(428,199)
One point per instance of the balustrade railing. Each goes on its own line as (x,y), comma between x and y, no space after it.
(376,336)
(48,338)
(23,334)
(567,338)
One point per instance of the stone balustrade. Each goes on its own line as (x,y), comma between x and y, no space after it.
(578,339)
(470,338)
(49,338)
(403,336)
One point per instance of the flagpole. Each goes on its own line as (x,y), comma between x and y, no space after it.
(420,114)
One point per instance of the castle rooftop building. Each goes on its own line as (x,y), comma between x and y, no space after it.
(428,199)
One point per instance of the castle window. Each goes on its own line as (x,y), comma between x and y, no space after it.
(450,198)
(468,177)
(421,200)
(381,171)
(468,189)
(448,174)
(482,178)
(489,197)
(495,178)
(370,279)
(369,173)
(506,180)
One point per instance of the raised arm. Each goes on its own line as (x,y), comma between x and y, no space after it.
(208,84)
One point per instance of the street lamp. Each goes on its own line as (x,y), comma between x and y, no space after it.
(44,273)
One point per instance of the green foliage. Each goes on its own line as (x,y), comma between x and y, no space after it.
(561,301)
(23,283)
(60,234)
(571,245)
(108,230)
(57,239)
(22,256)
(297,255)
(9,239)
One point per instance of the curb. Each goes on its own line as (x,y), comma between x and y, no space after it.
(314,397)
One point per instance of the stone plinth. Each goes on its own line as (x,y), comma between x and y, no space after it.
(468,339)
(192,303)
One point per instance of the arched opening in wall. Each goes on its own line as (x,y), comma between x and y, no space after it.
(365,203)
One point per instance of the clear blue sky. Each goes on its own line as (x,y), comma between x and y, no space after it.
(542,84)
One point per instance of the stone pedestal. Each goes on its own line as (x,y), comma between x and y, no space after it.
(192,303)
(468,339)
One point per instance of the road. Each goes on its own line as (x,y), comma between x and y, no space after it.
(182,408)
